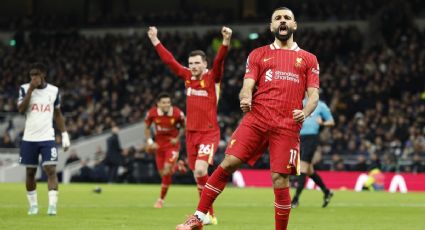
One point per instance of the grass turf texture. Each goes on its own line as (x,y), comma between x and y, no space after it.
(131,207)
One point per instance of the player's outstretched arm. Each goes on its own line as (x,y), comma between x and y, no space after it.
(165,55)
(218,64)
(245,96)
(60,123)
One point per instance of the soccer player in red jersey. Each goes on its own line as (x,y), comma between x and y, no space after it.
(277,76)
(202,90)
(169,124)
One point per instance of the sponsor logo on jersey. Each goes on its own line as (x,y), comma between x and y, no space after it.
(164,129)
(269,75)
(40,108)
(281,75)
(194,92)
(267,59)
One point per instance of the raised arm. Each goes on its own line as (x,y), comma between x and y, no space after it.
(218,64)
(165,55)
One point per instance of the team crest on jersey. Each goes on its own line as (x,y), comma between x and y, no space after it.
(172,121)
(157,120)
(202,83)
(298,62)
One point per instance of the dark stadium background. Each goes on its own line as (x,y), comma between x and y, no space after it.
(371,54)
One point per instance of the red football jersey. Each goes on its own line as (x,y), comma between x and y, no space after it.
(282,77)
(201,95)
(166,125)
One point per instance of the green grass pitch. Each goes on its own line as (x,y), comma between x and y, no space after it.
(130,207)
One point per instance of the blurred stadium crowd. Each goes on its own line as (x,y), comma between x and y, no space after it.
(190,12)
(373,83)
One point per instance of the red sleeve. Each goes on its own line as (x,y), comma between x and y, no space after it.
(218,64)
(171,62)
(148,118)
(252,67)
(312,72)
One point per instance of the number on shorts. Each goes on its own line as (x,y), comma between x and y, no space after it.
(293,156)
(204,149)
(53,154)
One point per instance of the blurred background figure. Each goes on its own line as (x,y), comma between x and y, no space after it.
(114,155)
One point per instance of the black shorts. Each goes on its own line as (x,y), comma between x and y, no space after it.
(308,147)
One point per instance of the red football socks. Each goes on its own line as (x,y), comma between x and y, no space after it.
(282,208)
(213,188)
(166,181)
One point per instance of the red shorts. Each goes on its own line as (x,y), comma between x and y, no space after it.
(166,155)
(249,142)
(201,146)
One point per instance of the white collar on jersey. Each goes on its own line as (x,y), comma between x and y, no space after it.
(275,46)
(170,112)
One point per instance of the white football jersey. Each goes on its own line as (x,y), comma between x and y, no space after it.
(39,114)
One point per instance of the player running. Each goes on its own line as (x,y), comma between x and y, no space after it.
(202,93)
(276,79)
(40,101)
(169,125)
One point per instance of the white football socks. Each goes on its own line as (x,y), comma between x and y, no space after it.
(32,198)
(53,197)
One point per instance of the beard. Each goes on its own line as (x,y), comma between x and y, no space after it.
(283,38)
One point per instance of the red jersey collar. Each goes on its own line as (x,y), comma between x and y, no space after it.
(160,113)
(275,46)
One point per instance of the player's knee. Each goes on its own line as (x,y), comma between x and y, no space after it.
(198,172)
(50,170)
(166,172)
(31,172)
(230,163)
(280,180)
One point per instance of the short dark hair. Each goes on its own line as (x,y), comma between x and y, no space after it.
(283,8)
(40,66)
(163,95)
(200,53)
